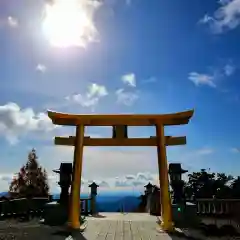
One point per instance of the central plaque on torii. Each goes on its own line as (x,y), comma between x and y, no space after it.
(120,138)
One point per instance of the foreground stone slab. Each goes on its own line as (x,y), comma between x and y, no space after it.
(107,226)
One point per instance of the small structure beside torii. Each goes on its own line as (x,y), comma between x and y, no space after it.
(120,138)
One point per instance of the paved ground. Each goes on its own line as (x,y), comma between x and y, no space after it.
(131,226)
(124,227)
(106,226)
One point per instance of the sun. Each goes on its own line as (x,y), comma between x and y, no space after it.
(68,23)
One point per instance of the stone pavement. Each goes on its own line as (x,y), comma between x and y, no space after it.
(131,226)
(105,226)
(136,226)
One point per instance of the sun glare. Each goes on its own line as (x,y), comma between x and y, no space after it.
(68,23)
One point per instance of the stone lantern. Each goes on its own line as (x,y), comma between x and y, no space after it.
(93,186)
(65,180)
(148,187)
(155,207)
(177,184)
(56,213)
(148,192)
(184,213)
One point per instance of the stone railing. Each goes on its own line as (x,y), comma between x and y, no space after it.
(22,207)
(33,207)
(219,208)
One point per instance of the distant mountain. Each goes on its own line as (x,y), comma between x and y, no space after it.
(103,198)
(113,203)
(57,196)
(107,203)
(126,204)
(5,194)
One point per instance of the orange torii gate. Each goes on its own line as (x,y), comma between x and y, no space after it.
(120,138)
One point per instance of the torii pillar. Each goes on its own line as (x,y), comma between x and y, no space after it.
(75,212)
(120,138)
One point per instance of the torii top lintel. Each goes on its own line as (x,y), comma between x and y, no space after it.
(120,119)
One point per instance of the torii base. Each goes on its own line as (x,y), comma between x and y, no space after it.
(185,215)
(55,214)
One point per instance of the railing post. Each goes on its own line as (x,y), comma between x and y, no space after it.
(198,207)
(82,205)
(227,207)
(86,207)
(221,207)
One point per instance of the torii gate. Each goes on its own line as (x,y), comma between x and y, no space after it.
(120,138)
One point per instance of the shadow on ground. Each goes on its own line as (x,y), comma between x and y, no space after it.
(98,216)
(69,234)
(213,230)
(183,235)
(204,230)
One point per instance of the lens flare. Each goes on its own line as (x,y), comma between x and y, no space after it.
(69,23)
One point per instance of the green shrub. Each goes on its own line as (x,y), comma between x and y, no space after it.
(82,219)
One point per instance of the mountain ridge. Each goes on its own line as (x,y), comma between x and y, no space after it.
(106,203)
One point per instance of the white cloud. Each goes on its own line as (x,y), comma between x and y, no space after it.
(83,100)
(128,2)
(41,68)
(206,19)
(91,98)
(12,22)
(226,17)
(15,122)
(130,177)
(98,90)
(145,176)
(205,151)
(112,169)
(6,179)
(201,79)
(129,79)
(123,165)
(150,80)
(229,70)
(223,2)
(126,98)
(121,183)
(219,73)
(102,184)
(108,167)
(138,180)
(103,163)
(235,150)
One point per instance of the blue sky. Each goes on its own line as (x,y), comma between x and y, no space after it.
(134,56)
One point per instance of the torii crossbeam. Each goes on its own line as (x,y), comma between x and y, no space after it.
(120,138)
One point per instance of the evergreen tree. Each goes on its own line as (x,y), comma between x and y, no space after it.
(18,185)
(206,184)
(31,181)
